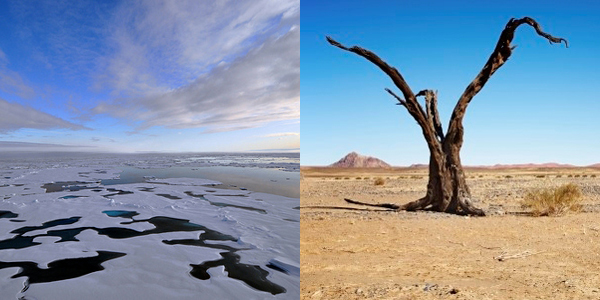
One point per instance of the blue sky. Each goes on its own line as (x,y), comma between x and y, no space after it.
(127,76)
(541,106)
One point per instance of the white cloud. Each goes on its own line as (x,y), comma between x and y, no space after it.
(97,139)
(18,147)
(161,45)
(222,65)
(15,116)
(244,60)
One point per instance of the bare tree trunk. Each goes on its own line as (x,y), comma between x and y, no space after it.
(447,189)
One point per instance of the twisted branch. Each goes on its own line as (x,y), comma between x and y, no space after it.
(400,100)
(500,55)
(410,102)
(433,116)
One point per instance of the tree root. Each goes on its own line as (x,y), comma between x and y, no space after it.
(384,205)
(469,209)
(425,204)
(340,208)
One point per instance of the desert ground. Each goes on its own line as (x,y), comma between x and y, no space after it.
(370,253)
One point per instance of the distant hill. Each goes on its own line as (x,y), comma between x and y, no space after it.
(417,166)
(355,160)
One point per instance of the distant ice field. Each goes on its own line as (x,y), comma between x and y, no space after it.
(149,226)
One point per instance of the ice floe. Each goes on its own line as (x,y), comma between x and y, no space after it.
(66,235)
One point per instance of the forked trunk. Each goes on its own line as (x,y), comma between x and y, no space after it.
(447,189)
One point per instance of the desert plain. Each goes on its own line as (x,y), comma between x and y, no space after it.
(357,252)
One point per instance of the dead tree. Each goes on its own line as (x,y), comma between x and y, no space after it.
(447,190)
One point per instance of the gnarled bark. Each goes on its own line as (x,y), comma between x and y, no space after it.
(447,189)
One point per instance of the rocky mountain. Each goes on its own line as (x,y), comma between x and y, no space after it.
(355,160)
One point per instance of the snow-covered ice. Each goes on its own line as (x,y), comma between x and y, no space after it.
(64,234)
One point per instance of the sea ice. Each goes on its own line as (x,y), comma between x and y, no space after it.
(144,240)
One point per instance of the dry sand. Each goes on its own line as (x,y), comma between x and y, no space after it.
(359,254)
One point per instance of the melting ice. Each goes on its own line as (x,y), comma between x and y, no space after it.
(72,228)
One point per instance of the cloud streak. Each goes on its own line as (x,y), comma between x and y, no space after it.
(244,61)
(162,45)
(15,116)
(11,146)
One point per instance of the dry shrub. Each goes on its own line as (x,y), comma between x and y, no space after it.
(554,201)
(379,181)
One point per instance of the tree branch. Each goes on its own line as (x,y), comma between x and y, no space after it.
(500,55)
(436,117)
(400,100)
(539,30)
(433,116)
(410,102)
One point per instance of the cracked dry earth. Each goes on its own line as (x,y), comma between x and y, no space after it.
(370,254)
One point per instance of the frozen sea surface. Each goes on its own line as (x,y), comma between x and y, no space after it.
(151,226)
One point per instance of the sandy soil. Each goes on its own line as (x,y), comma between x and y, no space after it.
(367,254)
